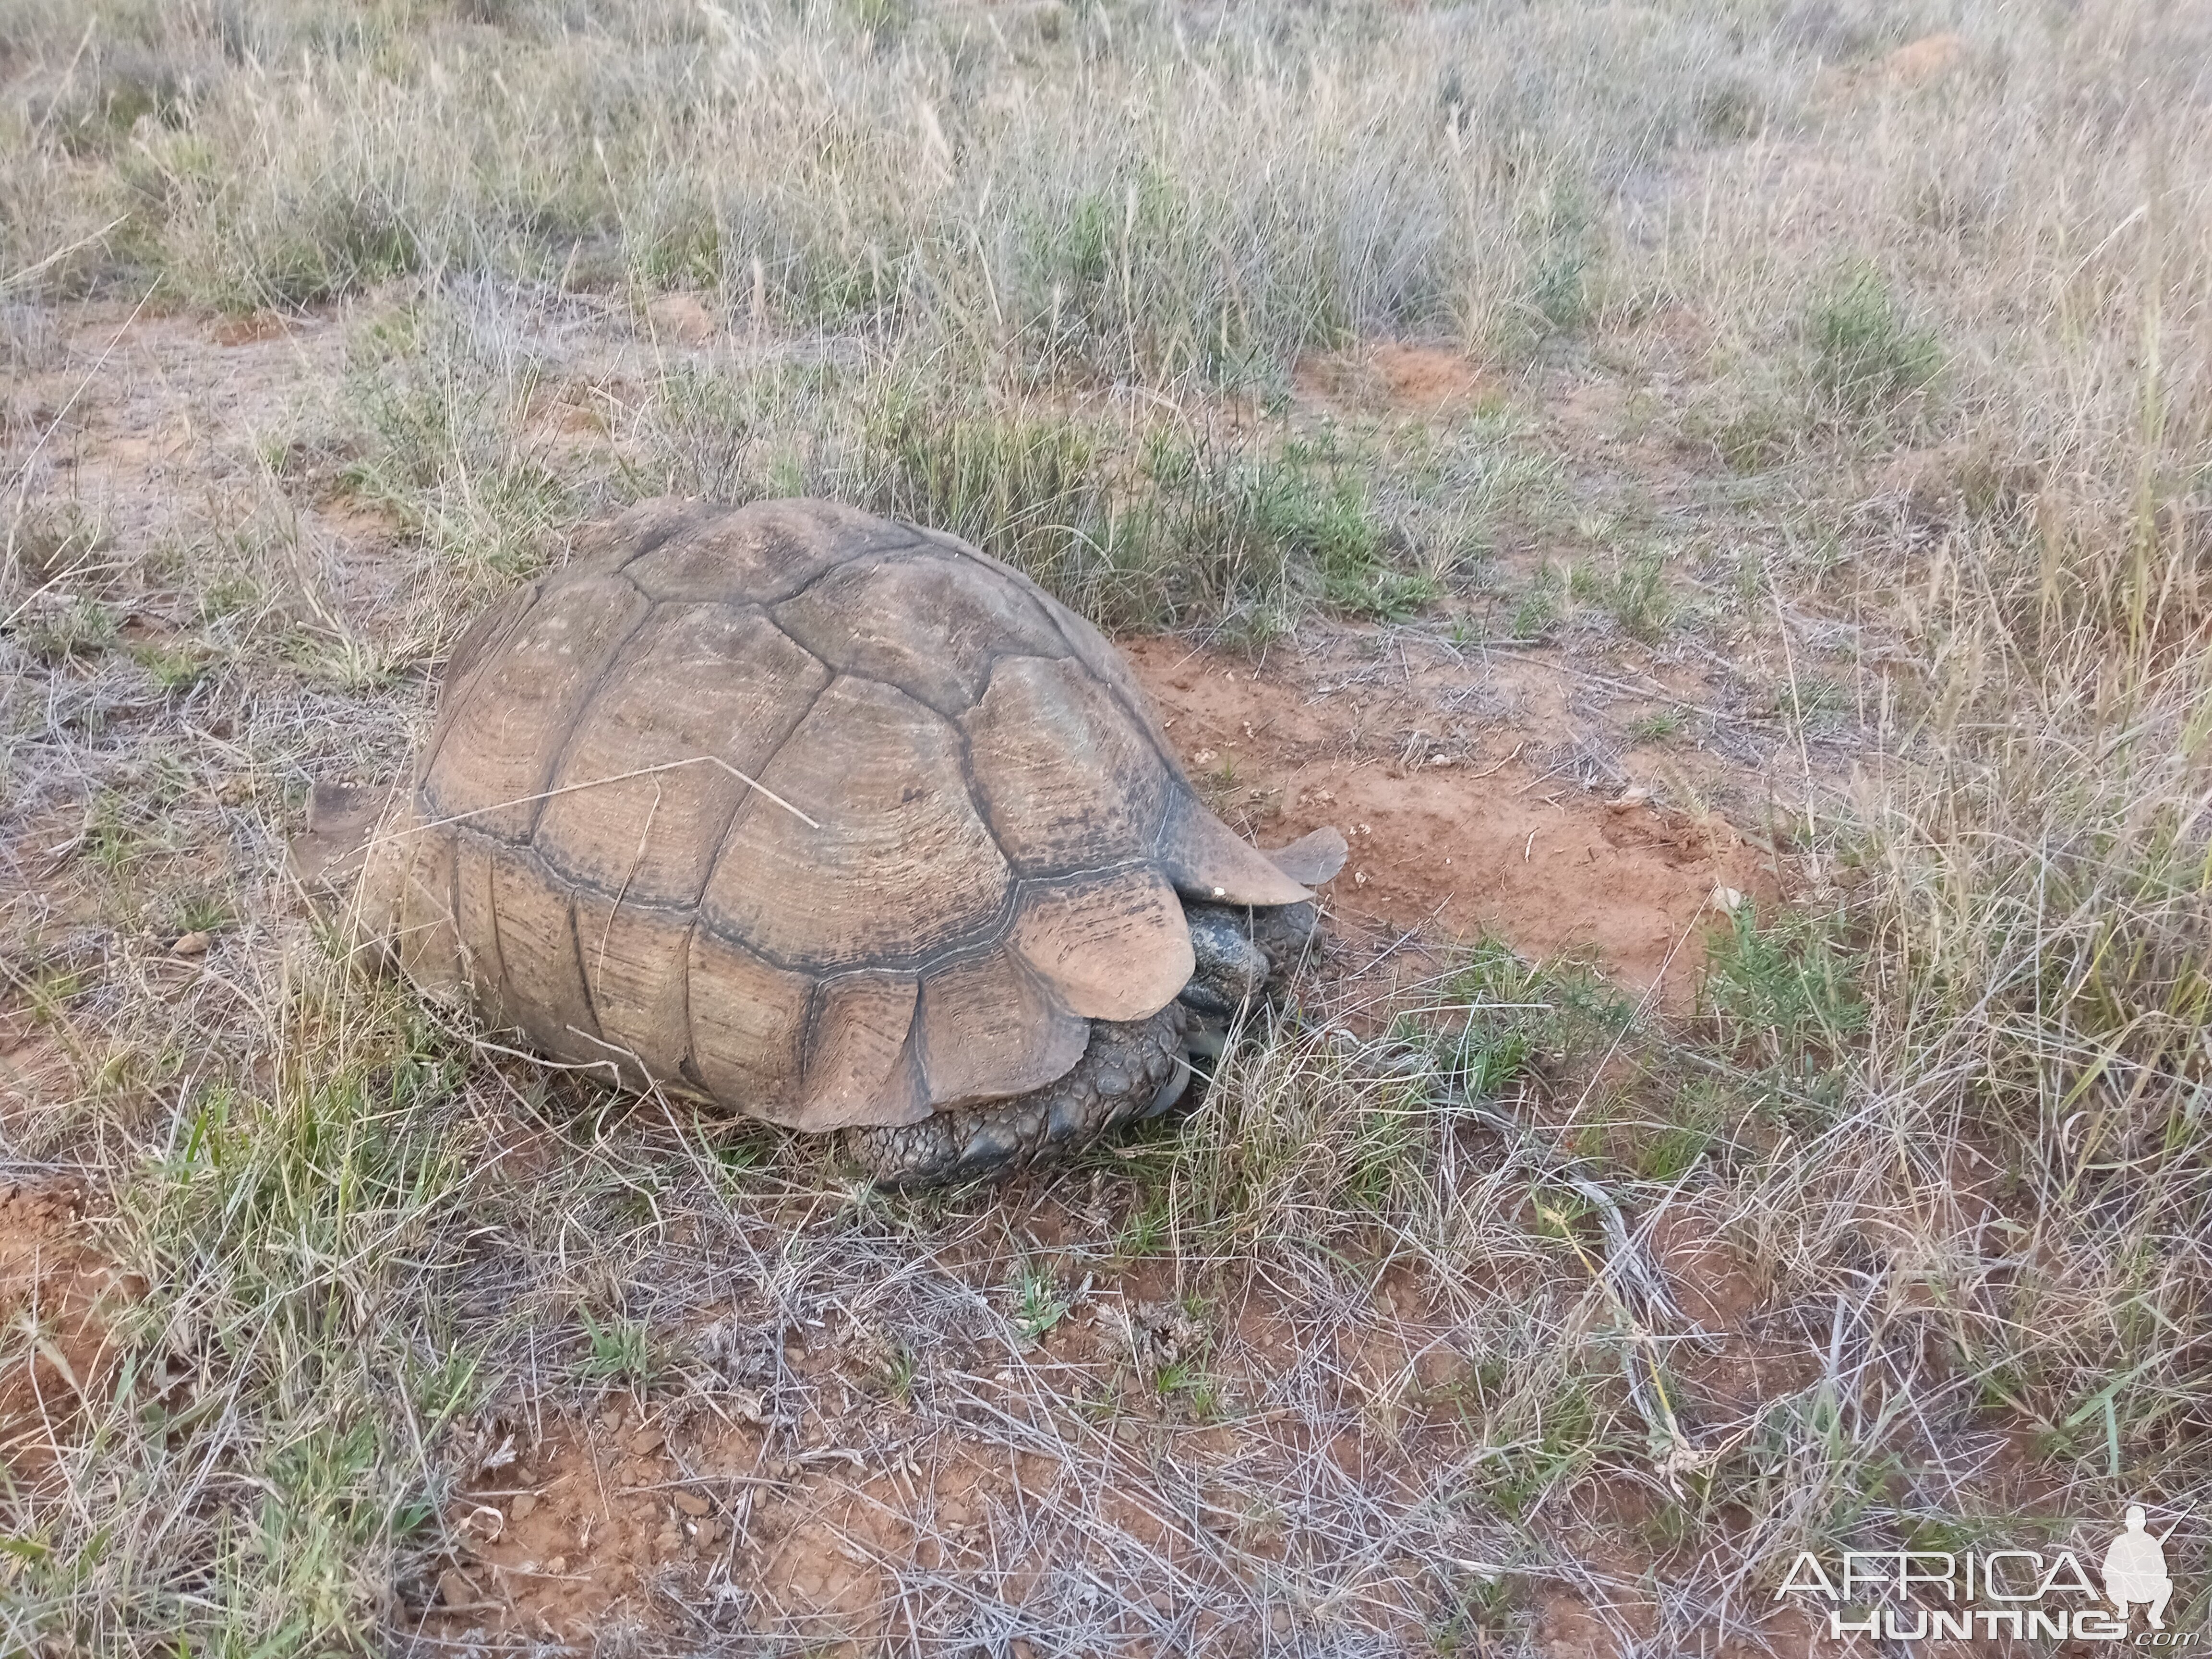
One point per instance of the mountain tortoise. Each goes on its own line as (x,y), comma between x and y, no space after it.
(834,821)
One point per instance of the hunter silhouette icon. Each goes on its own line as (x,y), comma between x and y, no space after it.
(2134,1569)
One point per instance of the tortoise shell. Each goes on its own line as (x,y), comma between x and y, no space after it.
(833,819)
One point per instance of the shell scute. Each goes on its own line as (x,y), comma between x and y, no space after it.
(759,555)
(650,778)
(500,741)
(1066,779)
(929,624)
(896,867)
(747,1022)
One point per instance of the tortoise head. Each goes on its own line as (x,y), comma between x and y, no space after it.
(1240,950)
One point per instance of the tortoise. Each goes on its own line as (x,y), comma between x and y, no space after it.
(832,820)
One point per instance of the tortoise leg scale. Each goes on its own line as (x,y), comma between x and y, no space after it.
(1130,1071)
(1123,1074)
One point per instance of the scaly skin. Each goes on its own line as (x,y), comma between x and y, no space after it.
(1129,1070)
(1126,1072)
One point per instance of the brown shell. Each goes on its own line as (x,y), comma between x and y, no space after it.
(836,820)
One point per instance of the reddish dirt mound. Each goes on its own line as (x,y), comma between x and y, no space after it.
(1457,828)
(1393,374)
(53,1292)
(1924,59)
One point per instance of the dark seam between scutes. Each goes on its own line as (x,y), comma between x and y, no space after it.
(1136,716)
(720,837)
(461,950)
(746,802)
(748,795)
(444,716)
(776,622)
(836,563)
(993,933)
(687,1066)
(951,719)
(491,911)
(1183,796)
(1046,990)
(992,658)
(591,690)
(817,1002)
(583,972)
(968,772)
(658,537)
(990,937)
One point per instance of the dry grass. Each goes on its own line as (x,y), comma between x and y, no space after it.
(1908,384)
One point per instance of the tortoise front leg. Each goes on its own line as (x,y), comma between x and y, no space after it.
(1129,1071)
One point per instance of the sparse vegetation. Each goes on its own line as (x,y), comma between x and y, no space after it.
(1833,425)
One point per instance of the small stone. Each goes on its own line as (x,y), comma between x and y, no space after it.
(1628,799)
(486,1520)
(557,1563)
(645,1441)
(455,1590)
(1726,898)
(692,1503)
(523,1503)
(194,944)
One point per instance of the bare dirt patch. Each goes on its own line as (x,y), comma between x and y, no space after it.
(1919,61)
(695,1514)
(1395,375)
(56,1297)
(1461,821)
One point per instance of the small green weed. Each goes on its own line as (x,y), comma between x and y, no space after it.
(1691,1124)
(1867,355)
(173,667)
(1636,594)
(1038,1302)
(1519,1013)
(116,834)
(621,1350)
(1479,1609)
(203,912)
(1541,606)
(1785,990)
(77,626)
(1145,1232)
(47,543)
(1186,1383)
(897,1373)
